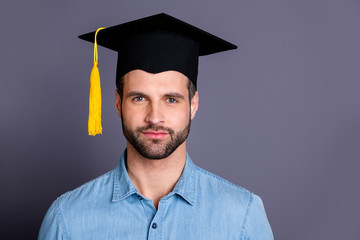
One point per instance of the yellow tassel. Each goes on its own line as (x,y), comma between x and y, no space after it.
(94,123)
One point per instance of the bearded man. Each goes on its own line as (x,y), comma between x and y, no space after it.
(156,191)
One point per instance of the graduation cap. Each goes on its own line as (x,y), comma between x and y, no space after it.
(154,44)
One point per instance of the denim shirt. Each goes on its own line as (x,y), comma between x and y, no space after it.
(201,206)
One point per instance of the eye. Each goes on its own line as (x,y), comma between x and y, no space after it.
(171,100)
(138,99)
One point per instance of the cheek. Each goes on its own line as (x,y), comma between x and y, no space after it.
(130,116)
(180,118)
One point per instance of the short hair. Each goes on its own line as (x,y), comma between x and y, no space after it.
(120,88)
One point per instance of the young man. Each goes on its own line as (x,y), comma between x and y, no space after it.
(156,191)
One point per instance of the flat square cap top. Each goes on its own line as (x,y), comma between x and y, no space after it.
(112,36)
(158,43)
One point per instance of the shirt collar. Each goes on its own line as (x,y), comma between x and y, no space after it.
(185,187)
(187,184)
(123,187)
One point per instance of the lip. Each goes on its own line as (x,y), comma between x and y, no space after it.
(155,135)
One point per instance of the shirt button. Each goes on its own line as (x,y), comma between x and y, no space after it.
(154,226)
(139,197)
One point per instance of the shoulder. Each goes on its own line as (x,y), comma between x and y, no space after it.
(72,204)
(224,195)
(221,185)
(89,193)
(91,188)
(235,202)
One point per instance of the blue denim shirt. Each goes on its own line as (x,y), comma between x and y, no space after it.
(201,206)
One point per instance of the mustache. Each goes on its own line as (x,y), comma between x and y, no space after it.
(155,128)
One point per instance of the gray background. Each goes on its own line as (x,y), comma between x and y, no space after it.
(280,116)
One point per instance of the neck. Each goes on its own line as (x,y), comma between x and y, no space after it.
(155,178)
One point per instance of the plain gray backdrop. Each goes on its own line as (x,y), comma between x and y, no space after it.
(279,116)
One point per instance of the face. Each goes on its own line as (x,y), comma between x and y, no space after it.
(156,112)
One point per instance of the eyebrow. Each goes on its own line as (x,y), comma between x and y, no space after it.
(175,95)
(171,94)
(135,93)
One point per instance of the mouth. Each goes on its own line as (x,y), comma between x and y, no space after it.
(155,135)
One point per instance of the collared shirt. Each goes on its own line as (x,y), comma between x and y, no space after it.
(201,206)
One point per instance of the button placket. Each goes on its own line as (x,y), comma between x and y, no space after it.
(155,231)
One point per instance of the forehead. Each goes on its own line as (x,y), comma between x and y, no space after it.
(167,81)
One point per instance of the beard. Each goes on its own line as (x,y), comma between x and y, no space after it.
(155,148)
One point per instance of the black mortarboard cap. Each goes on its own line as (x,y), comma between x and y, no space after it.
(158,43)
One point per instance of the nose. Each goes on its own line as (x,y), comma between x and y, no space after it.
(155,114)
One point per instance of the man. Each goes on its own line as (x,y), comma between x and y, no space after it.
(156,191)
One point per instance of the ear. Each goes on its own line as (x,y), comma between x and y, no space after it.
(194,105)
(118,102)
